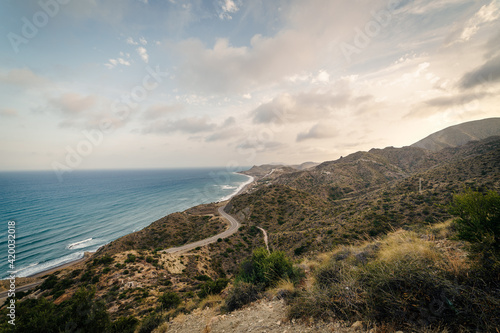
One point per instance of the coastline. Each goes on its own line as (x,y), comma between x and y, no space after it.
(241,188)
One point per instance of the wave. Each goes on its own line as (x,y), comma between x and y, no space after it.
(228,187)
(238,189)
(27,267)
(80,244)
(40,267)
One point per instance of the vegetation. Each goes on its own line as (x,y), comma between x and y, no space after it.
(261,271)
(406,281)
(430,272)
(170,300)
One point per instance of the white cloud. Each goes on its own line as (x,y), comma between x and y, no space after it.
(112,63)
(486,13)
(228,7)
(131,41)
(322,77)
(143,41)
(143,53)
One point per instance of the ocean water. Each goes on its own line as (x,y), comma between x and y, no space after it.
(56,222)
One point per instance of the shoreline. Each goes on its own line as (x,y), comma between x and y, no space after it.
(243,187)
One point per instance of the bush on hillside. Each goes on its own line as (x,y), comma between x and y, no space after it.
(266,269)
(170,300)
(478,218)
(241,294)
(406,282)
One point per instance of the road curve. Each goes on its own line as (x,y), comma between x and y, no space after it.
(26,287)
(233,227)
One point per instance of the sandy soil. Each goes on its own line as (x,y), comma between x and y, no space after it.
(261,316)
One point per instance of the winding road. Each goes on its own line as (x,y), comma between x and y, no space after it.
(233,227)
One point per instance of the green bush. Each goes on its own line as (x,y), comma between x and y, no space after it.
(130,258)
(212,287)
(478,218)
(124,325)
(170,300)
(266,269)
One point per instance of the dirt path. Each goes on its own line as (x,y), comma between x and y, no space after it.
(265,238)
(261,316)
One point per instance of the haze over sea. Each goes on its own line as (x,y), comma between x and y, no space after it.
(56,222)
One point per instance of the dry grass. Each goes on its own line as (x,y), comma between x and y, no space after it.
(401,280)
(407,245)
(163,328)
(211,301)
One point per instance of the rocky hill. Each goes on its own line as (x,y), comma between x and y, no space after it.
(458,135)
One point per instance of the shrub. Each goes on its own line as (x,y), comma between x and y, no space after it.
(478,218)
(405,283)
(212,287)
(241,294)
(266,269)
(130,258)
(124,325)
(150,323)
(170,300)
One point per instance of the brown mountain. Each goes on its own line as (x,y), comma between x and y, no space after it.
(458,135)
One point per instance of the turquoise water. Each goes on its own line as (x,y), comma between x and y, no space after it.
(56,222)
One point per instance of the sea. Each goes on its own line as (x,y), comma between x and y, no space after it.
(54,222)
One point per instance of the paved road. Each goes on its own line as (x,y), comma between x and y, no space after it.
(233,227)
(3,295)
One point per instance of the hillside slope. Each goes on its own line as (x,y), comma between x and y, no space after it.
(460,134)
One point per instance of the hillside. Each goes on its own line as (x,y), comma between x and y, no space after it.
(458,135)
(356,201)
(301,214)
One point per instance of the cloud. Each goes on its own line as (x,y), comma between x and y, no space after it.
(227,8)
(302,107)
(459,103)
(85,111)
(486,13)
(131,41)
(22,77)
(8,113)
(158,111)
(143,41)
(143,53)
(224,134)
(318,131)
(74,103)
(308,33)
(112,63)
(190,125)
(485,74)
(261,147)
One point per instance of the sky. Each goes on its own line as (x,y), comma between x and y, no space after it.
(108,84)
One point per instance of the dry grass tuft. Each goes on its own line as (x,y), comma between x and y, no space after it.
(407,245)
(211,301)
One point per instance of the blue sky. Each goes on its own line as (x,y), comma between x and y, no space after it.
(94,84)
